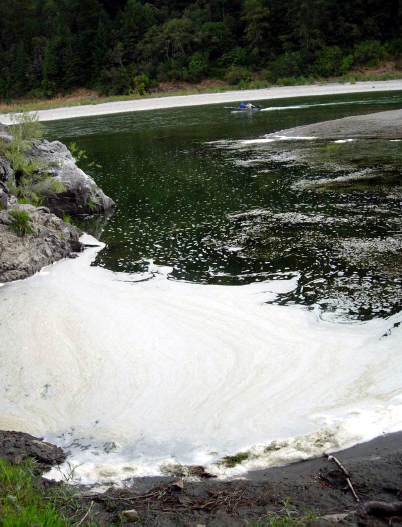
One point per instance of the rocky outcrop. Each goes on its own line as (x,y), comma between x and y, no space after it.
(82,195)
(50,239)
(6,172)
(17,446)
(46,238)
(5,198)
(4,135)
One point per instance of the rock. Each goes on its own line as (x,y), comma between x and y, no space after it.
(5,137)
(3,200)
(4,188)
(131,515)
(6,172)
(82,195)
(51,239)
(178,484)
(18,445)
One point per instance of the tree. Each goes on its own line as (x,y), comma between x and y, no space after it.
(256,17)
(50,69)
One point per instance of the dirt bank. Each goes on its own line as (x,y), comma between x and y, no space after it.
(306,492)
(317,485)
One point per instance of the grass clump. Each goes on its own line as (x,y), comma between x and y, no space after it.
(287,516)
(20,224)
(22,501)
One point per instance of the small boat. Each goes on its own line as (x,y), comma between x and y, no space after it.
(236,109)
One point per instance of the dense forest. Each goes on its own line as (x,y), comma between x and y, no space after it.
(126,46)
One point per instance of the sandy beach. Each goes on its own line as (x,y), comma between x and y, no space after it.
(211,98)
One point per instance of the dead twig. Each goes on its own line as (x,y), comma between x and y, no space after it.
(88,512)
(346,474)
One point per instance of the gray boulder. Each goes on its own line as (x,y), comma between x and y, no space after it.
(5,137)
(51,239)
(6,172)
(82,195)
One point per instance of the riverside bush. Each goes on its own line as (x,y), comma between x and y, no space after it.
(369,53)
(236,74)
(20,224)
(32,183)
(328,61)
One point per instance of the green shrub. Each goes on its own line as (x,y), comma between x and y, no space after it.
(347,63)
(287,81)
(369,53)
(26,127)
(33,183)
(394,47)
(266,75)
(141,83)
(287,65)
(20,224)
(236,74)
(198,66)
(235,57)
(348,78)
(328,61)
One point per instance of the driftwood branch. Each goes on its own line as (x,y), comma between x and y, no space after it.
(346,474)
(88,511)
(335,460)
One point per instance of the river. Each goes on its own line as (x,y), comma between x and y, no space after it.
(230,309)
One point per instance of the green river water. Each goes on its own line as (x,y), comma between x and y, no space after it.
(191,195)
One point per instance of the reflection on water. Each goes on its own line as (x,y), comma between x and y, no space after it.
(193,195)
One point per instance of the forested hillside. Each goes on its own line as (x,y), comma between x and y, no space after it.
(125,46)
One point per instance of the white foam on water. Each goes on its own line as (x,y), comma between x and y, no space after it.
(280,108)
(134,376)
(306,106)
(276,138)
(344,141)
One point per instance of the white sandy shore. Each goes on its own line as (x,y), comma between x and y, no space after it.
(211,98)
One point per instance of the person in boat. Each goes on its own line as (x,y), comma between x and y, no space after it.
(241,105)
(250,106)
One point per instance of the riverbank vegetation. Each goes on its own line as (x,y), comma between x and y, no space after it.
(31,182)
(23,501)
(132,48)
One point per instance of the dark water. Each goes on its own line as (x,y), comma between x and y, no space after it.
(192,196)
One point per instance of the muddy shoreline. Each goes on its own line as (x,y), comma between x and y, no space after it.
(315,484)
(305,491)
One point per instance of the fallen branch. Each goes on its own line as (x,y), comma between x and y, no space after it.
(346,474)
(88,511)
